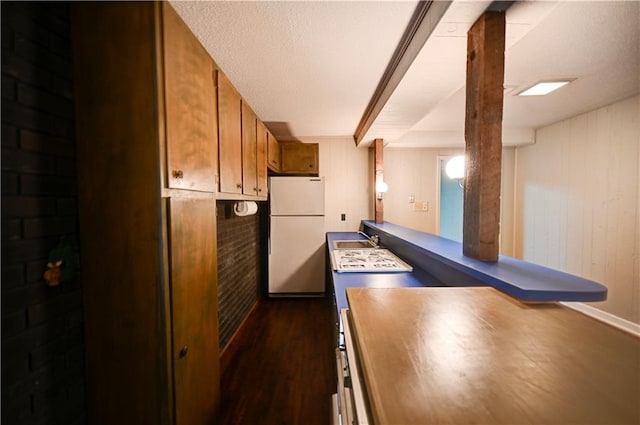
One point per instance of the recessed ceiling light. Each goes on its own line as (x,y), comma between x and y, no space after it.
(543,87)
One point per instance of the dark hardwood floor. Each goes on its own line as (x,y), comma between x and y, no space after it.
(280,366)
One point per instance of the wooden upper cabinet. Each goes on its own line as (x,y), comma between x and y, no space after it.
(230,136)
(273,152)
(249,146)
(261,158)
(190,108)
(242,145)
(299,158)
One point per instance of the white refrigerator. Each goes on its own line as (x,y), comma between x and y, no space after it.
(296,236)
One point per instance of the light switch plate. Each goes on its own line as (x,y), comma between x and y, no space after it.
(421,206)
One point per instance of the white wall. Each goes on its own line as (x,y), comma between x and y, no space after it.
(577,206)
(411,172)
(347,182)
(507,194)
(415,172)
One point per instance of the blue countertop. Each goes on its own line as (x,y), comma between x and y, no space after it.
(342,281)
(437,261)
(523,280)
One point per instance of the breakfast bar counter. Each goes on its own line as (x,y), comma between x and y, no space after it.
(457,341)
(523,280)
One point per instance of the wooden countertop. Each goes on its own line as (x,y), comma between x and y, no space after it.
(474,355)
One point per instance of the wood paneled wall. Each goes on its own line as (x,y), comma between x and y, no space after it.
(412,172)
(347,183)
(577,203)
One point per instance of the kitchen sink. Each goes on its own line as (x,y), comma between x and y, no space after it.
(353,244)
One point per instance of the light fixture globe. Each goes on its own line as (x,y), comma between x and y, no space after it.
(455,168)
(381,189)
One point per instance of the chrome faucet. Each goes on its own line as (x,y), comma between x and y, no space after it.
(374,239)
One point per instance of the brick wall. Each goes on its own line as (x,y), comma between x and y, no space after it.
(239,267)
(42,333)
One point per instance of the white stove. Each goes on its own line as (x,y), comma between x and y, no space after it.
(367,260)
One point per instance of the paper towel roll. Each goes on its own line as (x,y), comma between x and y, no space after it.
(242,208)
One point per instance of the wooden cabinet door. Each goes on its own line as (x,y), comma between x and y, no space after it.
(230,136)
(194,312)
(190,107)
(261,158)
(249,146)
(299,158)
(273,152)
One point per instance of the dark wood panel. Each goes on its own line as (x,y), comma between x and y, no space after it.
(230,136)
(280,366)
(194,296)
(249,151)
(120,211)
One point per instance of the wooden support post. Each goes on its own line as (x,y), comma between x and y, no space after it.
(483,135)
(378,178)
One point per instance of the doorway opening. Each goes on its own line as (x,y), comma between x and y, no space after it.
(451,205)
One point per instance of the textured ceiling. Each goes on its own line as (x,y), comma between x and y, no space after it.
(309,68)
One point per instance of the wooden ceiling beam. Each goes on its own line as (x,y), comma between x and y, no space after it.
(423,21)
(378,160)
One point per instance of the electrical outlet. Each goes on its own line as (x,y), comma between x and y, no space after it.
(343,217)
(412,199)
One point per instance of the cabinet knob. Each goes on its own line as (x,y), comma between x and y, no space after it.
(183,352)
(178,174)
(239,185)
(310,165)
(259,189)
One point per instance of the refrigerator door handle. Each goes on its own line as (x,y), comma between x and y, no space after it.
(269,237)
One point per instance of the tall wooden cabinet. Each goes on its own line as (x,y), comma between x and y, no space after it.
(194,302)
(190,108)
(147,168)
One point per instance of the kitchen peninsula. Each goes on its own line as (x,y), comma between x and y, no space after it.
(453,341)
(438,261)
